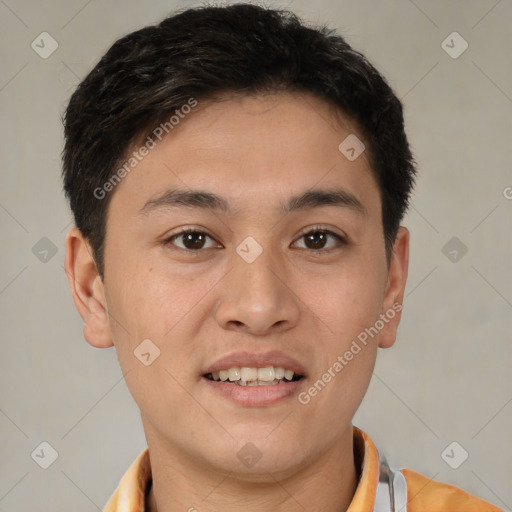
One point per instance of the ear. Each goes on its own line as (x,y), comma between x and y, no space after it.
(394,295)
(87,289)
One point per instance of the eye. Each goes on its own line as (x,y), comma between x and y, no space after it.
(315,240)
(191,240)
(318,239)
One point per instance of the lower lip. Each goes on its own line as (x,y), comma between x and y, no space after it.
(255,396)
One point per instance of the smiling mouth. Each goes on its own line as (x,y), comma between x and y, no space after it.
(244,376)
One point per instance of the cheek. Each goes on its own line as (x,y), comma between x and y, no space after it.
(150,305)
(148,297)
(346,306)
(155,345)
(347,302)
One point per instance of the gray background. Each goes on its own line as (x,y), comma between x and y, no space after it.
(447,378)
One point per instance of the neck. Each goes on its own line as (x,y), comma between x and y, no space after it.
(327,483)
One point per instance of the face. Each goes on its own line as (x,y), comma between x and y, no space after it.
(282,269)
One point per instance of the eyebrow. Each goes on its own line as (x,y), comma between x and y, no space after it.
(206,200)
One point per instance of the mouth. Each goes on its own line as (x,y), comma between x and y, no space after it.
(252,376)
(255,379)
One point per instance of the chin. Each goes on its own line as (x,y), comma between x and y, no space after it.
(265,470)
(254,453)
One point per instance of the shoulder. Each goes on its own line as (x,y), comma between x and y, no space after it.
(425,494)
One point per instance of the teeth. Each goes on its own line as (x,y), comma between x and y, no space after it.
(234,374)
(244,376)
(279,372)
(258,382)
(267,374)
(248,374)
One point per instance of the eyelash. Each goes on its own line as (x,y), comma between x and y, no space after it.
(316,229)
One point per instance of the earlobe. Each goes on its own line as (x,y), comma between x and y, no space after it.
(394,295)
(87,290)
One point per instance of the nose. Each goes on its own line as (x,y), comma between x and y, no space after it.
(256,298)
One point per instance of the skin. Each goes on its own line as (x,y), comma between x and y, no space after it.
(310,303)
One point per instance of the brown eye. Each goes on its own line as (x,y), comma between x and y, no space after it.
(317,240)
(190,240)
(194,240)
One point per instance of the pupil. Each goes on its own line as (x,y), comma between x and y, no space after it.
(316,240)
(194,240)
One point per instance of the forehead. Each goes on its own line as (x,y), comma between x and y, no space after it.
(253,148)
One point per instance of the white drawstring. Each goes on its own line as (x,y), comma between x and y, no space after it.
(391,493)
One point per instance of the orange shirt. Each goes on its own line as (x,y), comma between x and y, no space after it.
(423,494)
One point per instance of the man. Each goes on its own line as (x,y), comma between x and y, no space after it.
(238,182)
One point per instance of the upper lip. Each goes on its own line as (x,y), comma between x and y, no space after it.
(256,360)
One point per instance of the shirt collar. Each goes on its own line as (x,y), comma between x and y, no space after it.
(130,495)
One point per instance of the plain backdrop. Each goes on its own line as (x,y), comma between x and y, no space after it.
(448,377)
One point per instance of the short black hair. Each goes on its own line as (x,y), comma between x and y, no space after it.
(200,53)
